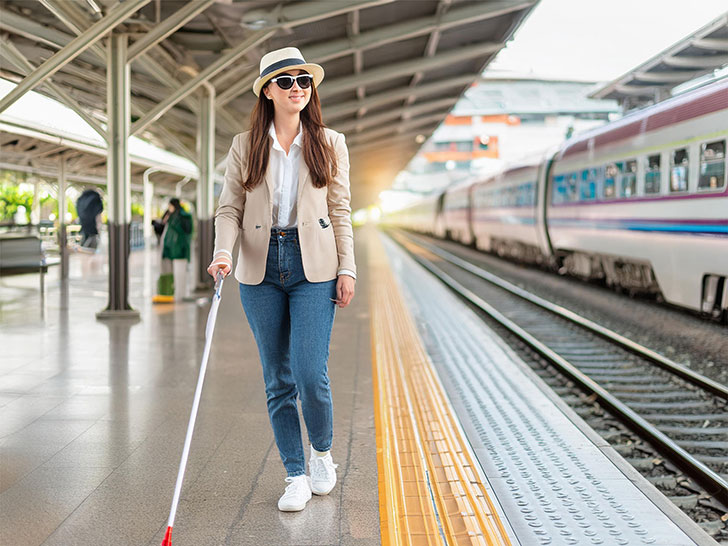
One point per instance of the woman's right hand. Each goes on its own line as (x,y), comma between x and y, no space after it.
(221,264)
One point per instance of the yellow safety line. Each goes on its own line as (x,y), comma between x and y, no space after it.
(428,483)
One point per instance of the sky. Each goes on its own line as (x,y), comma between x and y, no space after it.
(599,40)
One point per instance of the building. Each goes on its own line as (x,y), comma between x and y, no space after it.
(501,119)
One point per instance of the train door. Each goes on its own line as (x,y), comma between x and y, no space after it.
(469,238)
(542,199)
(439,224)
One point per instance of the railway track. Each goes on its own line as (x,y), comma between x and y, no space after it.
(681,414)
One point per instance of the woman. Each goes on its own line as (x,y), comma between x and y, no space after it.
(286,195)
(175,250)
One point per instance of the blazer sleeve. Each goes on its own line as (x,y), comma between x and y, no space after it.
(229,213)
(338,200)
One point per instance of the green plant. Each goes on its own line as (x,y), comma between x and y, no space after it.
(11,198)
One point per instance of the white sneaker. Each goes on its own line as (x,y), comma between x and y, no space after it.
(323,473)
(297,494)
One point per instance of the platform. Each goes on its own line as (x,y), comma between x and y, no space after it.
(554,479)
(441,433)
(93,416)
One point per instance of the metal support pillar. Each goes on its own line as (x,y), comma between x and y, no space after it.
(118,178)
(205,186)
(35,208)
(148,196)
(62,243)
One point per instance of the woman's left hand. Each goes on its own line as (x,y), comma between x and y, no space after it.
(344,290)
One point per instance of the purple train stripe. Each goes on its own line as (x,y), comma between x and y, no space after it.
(697,227)
(712,98)
(505,219)
(643,199)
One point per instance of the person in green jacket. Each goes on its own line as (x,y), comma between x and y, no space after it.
(175,248)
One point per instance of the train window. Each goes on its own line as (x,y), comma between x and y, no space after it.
(628,178)
(610,175)
(571,188)
(712,165)
(525,194)
(652,174)
(679,170)
(558,190)
(588,187)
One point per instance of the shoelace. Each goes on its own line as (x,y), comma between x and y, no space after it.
(293,485)
(320,470)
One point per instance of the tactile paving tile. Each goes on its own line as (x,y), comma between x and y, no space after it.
(554,485)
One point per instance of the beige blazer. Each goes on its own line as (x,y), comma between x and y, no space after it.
(323,217)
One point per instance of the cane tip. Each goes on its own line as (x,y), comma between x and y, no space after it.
(167,537)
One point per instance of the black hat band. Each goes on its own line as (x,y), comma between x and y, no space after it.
(281,64)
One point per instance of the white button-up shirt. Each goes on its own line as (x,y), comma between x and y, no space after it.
(284,170)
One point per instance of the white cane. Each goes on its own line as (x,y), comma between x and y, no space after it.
(209,330)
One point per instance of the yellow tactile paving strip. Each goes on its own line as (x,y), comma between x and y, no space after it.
(428,485)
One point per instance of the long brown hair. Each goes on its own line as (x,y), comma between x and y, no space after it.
(319,155)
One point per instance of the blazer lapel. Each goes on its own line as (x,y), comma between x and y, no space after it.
(270,183)
(269,177)
(303,175)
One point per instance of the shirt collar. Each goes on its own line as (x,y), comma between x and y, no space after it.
(277,145)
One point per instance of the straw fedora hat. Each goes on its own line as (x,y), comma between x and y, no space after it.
(282,60)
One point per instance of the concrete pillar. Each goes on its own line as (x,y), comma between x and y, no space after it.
(205,186)
(62,246)
(118,178)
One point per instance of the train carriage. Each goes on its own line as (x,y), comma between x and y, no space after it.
(456,212)
(504,216)
(643,202)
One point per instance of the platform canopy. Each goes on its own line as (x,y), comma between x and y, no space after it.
(699,54)
(36,130)
(394,68)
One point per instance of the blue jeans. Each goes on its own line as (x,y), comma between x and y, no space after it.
(291,319)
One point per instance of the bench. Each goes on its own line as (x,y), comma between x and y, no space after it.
(20,254)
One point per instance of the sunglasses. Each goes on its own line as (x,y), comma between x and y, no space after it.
(286,81)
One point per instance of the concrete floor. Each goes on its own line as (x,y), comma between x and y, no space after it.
(93,416)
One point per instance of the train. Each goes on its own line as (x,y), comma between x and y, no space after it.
(640,204)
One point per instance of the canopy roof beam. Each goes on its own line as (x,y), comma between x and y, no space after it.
(684,61)
(716,44)
(291,17)
(70,14)
(76,20)
(190,86)
(397,70)
(302,13)
(116,15)
(403,112)
(357,43)
(397,32)
(664,77)
(167,27)
(394,95)
(402,127)
(24,66)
